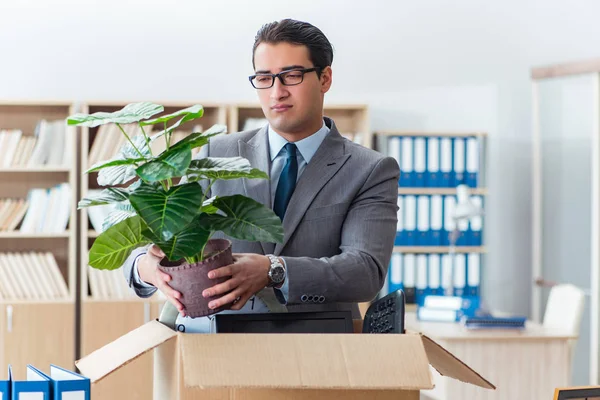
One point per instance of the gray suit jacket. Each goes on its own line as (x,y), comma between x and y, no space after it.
(339,226)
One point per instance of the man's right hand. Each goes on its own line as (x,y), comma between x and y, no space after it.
(149,273)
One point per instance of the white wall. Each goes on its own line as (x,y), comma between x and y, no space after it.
(445,65)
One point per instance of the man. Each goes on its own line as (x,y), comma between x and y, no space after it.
(337,199)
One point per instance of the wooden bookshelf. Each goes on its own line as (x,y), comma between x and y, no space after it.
(350,119)
(105,318)
(34,331)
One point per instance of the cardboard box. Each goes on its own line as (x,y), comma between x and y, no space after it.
(282,366)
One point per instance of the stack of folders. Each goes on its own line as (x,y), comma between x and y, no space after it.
(489,321)
(426,220)
(430,161)
(422,275)
(60,384)
(448,308)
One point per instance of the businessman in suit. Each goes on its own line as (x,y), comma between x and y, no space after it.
(337,200)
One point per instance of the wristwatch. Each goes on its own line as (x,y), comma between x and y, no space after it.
(276,273)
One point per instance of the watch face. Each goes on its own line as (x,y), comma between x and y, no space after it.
(277,274)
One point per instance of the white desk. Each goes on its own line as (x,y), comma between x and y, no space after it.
(522,364)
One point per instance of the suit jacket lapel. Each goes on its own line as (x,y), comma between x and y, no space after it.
(256,150)
(326,162)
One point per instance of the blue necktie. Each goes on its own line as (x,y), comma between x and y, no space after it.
(287,181)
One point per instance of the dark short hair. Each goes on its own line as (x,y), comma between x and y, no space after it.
(298,33)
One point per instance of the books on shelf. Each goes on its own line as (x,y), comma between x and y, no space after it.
(49,145)
(426,220)
(48,210)
(422,275)
(12,212)
(436,161)
(110,139)
(31,276)
(107,285)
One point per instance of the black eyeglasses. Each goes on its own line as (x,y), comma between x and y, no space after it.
(288,78)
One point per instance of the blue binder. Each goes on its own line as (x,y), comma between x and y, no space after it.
(395,273)
(410,221)
(65,383)
(446,169)
(407,153)
(420,161)
(472,165)
(433,176)
(400,230)
(476,224)
(394,146)
(436,220)
(5,388)
(459,159)
(423,220)
(36,383)
(473,274)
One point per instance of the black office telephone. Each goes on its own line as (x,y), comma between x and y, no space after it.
(386,315)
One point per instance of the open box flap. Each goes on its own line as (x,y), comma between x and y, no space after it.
(448,365)
(291,361)
(123,350)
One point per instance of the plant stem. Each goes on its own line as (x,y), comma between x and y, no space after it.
(207,190)
(167,136)
(202,251)
(147,139)
(129,139)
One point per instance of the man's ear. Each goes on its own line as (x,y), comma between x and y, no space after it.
(326,79)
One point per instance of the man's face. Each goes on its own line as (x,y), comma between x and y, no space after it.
(292,110)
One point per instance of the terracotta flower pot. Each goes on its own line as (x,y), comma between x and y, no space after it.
(191,279)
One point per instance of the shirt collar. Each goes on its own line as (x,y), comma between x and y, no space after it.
(307,146)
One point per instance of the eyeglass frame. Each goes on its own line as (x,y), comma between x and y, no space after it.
(280,76)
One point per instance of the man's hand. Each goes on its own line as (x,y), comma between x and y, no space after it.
(149,273)
(249,274)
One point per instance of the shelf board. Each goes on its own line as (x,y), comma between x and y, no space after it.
(438,134)
(440,191)
(34,235)
(93,234)
(35,169)
(438,249)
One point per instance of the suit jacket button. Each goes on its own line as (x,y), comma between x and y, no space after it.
(321,299)
(310,298)
(304,298)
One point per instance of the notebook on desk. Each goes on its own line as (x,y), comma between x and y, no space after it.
(489,321)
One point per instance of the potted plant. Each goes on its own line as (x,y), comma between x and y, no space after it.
(162,199)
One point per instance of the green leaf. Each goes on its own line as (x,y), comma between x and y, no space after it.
(171,163)
(208,207)
(112,247)
(114,162)
(223,168)
(120,174)
(117,216)
(244,219)
(133,112)
(167,213)
(107,196)
(186,243)
(190,113)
